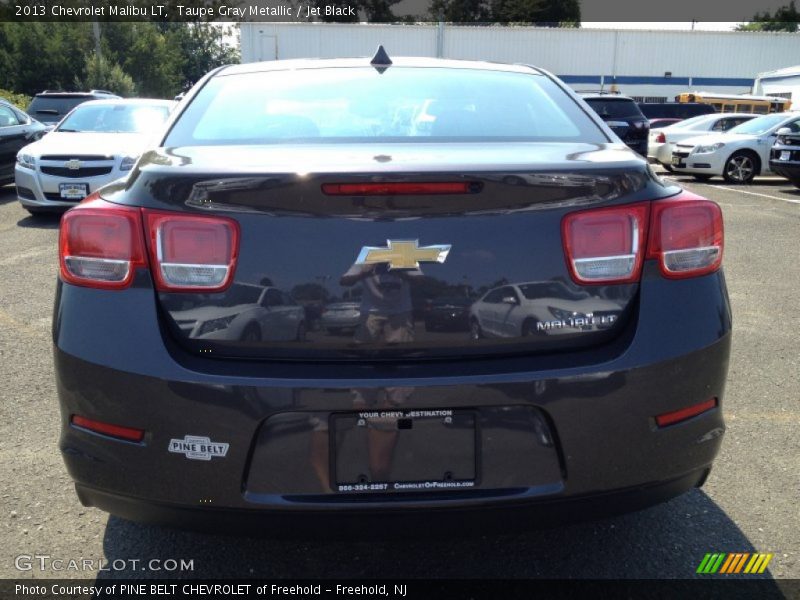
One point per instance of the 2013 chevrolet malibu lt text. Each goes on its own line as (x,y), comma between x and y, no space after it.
(582,373)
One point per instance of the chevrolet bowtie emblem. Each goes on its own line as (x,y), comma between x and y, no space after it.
(402,254)
(73,165)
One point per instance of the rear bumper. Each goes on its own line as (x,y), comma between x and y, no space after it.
(506,517)
(564,430)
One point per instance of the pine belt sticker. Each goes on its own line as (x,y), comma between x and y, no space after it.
(198,448)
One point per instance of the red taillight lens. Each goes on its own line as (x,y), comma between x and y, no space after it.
(191,252)
(606,245)
(661,138)
(677,416)
(100,244)
(399,188)
(124,433)
(686,236)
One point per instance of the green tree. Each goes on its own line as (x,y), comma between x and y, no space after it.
(786,18)
(550,13)
(460,11)
(203,47)
(153,63)
(100,74)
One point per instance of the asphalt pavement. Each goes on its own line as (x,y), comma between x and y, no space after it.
(749,504)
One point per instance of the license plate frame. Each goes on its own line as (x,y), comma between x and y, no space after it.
(449,461)
(73,191)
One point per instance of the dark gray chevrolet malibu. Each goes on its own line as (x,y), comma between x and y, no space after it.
(581,371)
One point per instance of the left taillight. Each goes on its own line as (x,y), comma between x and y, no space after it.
(101,245)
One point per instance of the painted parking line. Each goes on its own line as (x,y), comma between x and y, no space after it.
(731,189)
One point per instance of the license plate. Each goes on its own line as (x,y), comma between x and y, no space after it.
(676,160)
(785,155)
(393,450)
(73,191)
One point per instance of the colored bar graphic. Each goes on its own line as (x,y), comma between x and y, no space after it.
(733,563)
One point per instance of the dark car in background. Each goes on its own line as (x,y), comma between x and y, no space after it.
(675,110)
(624,118)
(17,130)
(784,158)
(50,106)
(449,313)
(389,179)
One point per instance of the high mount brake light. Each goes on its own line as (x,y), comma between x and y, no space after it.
(608,245)
(400,188)
(102,244)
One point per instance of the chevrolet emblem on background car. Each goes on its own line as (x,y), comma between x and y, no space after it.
(402,254)
(73,164)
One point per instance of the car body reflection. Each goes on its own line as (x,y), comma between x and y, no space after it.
(540,308)
(245,312)
(340,317)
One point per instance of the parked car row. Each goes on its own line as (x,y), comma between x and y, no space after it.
(739,154)
(66,152)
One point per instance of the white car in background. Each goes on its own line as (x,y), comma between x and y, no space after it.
(97,142)
(244,312)
(539,308)
(659,148)
(738,155)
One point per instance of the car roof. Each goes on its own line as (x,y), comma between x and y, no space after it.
(128,101)
(60,94)
(400,61)
(605,97)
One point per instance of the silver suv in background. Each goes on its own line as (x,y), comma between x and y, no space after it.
(51,106)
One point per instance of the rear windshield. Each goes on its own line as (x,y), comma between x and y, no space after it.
(115,118)
(759,125)
(52,109)
(617,109)
(404,104)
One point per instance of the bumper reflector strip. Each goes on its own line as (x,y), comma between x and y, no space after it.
(124,433)
(677,416)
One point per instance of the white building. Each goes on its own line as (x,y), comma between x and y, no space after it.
(655,65)
(784,83)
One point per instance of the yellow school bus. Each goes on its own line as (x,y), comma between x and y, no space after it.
(737,103)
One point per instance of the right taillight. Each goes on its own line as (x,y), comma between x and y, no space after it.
(686,236)
(609,244)
(661,138)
